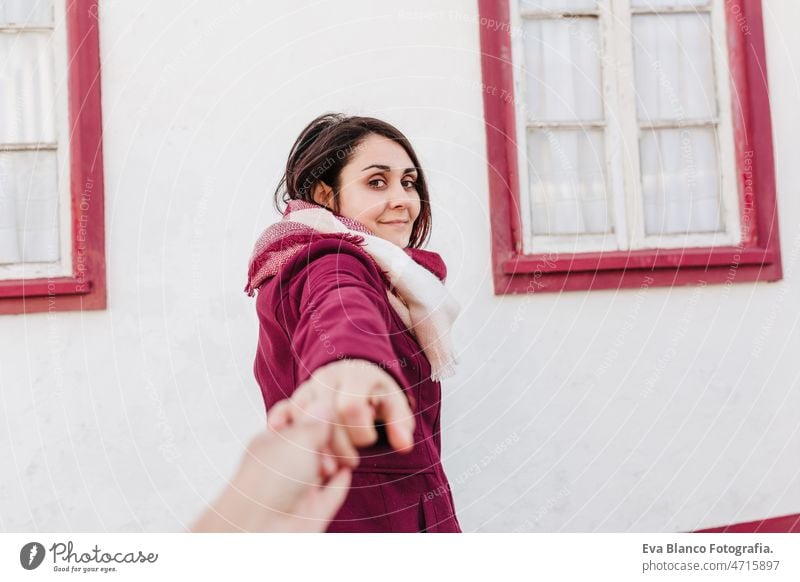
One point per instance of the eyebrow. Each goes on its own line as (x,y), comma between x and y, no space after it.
(388,169)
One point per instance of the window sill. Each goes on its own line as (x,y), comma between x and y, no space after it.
(43,287)
(640,259)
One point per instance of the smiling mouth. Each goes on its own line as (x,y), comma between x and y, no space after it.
(397,223)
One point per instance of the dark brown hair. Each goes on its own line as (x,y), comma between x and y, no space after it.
(326,145)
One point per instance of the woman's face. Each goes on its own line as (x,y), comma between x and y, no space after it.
(378,188)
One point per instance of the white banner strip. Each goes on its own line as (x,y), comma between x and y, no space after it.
(400,557)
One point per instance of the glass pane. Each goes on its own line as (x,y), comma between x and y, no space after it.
(674,67)
(680,182)
(26,12)
(28,207)
(567,182)
(563,5)
(667,3)
(27,106)
(562,70)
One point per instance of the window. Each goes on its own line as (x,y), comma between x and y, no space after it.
(629,141)
(51,183)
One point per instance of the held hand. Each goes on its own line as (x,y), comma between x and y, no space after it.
(360,393)
(280,485)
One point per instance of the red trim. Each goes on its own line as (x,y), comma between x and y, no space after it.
(785,524)
(41,287)
(756,259)
(86,289)
(649,259)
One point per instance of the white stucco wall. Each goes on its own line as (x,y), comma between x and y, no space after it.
(656,410)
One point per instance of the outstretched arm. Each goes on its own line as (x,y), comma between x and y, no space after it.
(344,353)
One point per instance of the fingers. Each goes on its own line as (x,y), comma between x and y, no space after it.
(322,388)
(305,408)
(358,395)
(313,422)
(333,493)
(342,447)
(284,412)
(280,415)
(367,393)
(394,410)
(300,456)
(328,463)
(358,415)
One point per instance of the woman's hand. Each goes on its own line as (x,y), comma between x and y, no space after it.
(360,393)
(279,486)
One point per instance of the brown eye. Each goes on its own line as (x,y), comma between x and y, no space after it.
(372,182)
(411,183)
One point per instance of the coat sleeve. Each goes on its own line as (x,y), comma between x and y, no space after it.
(341,312)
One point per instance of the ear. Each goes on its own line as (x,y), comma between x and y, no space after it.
(322,193)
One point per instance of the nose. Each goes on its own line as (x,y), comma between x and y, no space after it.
(400,197)
(398,202)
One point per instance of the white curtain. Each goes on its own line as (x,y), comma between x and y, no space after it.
(558,4)
(29,226)
(680,184)
(562,71)
(567,182)
(674,81)
(666,3)
(28,207)
(26,12)
(27,87)
(565,167)
(674,69)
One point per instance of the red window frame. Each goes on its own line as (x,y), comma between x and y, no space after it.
(86,288)
(756,258)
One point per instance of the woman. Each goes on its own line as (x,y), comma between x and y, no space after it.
(354,313)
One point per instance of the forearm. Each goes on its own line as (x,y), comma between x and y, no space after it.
(342,314)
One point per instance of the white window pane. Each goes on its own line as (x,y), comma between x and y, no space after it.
(564,5)
(667,3)
(28,207)
(562,70)
(567,182)
(26,12)
(27,108)
(674,67)
(680,183)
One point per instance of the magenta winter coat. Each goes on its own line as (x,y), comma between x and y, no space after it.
(327,303)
